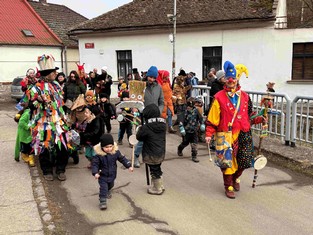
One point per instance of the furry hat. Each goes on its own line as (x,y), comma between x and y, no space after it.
(152,72)
(106,139)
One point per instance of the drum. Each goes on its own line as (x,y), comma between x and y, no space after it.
(259,162)
(133,140)
(120,118)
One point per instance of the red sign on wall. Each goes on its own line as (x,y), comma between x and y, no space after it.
(89,45)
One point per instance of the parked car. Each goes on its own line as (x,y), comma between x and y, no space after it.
(16,88)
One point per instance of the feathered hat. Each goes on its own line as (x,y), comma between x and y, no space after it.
(46,64)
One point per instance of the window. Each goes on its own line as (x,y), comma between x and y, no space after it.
(124,63)
(302,61)
(27,33)
(212,58)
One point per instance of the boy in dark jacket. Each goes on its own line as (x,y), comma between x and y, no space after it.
(191,124)
(104,167)
(152,134)
(107,112)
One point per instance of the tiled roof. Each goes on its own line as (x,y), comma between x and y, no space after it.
(17,15)
(143,14)
(60,19)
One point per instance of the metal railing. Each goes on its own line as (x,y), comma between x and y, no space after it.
(288,120)
(302,120)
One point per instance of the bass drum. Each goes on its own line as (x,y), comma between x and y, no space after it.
(259,162)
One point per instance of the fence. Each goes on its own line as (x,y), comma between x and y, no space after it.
(290,121)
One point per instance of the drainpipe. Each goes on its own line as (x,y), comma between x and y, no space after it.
(281,15)
(65,60)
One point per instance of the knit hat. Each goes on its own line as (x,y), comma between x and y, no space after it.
(152,72)
(125,94)
(106,139)
(230,71)
(182,73)
(220,74)
(104,68)
(104,95)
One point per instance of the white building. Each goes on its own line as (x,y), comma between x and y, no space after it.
(257,35)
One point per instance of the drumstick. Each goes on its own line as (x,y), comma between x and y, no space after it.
(133,156)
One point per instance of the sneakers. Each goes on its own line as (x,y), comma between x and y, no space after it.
(237,184)
(109,195)
(195,159)
(229,192)
(103,204)
(120,142)
(61,176)
(48,177)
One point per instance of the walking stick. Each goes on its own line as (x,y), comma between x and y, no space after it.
(210,156)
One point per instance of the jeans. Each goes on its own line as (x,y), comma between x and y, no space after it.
(169,117)
(138,148)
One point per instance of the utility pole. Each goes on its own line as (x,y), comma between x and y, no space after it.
(174,41)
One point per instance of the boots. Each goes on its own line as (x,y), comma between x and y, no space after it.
(237,184)
(229,189)
(195,159)
(103,204)
(229,192)
(156,187)
(179,152)
(162,186)
(171,130)
(25,157)
(136,161)
(31,160)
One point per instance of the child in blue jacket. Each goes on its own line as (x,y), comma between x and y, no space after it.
(104,167)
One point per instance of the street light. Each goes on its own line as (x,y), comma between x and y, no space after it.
(172,37)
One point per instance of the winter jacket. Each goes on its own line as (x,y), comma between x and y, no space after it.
(168,103)
(107,110)
(152,133)
(23,132)
(154,95)
(91,134)
(72,90)
(106,162)
(216,87)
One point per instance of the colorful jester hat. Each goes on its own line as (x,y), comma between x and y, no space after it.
(46,64)
(240,68)
(230,70)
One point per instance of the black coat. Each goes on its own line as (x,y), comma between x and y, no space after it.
(107,163)
(152,133)
(92,133)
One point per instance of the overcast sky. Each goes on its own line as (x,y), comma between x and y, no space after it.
(91,8)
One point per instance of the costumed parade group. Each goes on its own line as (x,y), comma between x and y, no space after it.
(59,118)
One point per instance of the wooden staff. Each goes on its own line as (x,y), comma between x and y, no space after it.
(256,171)
(267,103)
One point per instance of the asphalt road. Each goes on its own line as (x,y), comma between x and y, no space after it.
(193,203)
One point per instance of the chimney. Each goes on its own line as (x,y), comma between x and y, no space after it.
(43,1)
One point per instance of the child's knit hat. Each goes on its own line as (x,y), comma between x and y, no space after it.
(106,139)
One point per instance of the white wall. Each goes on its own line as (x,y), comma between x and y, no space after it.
(266,52)
(16,60)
